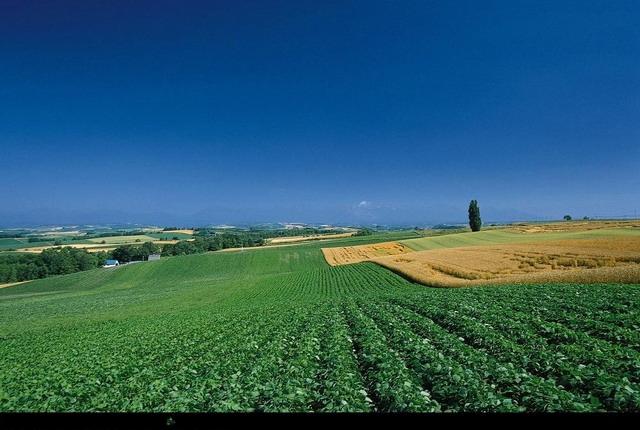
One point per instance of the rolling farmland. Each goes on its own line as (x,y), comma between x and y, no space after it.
(581,252)
(278,329)
(577,260)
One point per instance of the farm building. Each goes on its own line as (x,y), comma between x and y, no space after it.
(153,257)
(111,263)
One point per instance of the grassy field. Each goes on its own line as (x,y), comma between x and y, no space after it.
(278,329)
(96,244)
(120,240)
(500,236)
(23,243)
(291,239)
(180,235)
(11,243)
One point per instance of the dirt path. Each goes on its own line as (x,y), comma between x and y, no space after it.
(12,284)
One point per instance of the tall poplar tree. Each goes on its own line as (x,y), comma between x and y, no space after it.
(474,216)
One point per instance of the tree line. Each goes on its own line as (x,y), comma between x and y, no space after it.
(65,260)
(56,261)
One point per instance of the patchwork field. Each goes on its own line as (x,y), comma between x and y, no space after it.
(188,232)
(11,243)
(90,247)
(110,243)
(584,225)
(118,240)
(171,235)
(278,329)
(600,252)
(292,239)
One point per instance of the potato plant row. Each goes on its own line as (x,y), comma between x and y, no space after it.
(346,339)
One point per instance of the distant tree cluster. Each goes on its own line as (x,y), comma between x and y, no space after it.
(34,239)
(214,243)
(445,227)
(65,260)
(93,235)
(364,232)
(58,261)
(128,253)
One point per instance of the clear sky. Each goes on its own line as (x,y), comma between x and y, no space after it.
(385,112)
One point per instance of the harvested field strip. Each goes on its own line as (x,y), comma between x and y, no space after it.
(357,254)
(184,231)
(575,226)
(87,246)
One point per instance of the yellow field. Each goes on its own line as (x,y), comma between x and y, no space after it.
(96,247)
(580,260)
(291,239)
(357,254)
(90,247)
(574,226)
(580,251)
(191,232)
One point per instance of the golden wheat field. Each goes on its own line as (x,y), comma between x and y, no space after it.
(608,251)
(580,260)
(573,226)
(356,254)
(183,231)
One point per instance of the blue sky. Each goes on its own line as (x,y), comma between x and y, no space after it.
(355,112)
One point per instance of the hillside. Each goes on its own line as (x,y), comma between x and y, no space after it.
(278,329)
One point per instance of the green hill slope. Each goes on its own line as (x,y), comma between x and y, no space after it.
(498,236)
(277,329)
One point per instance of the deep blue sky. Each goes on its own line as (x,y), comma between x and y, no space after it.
(389,112)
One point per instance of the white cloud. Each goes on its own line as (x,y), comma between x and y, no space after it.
(364,204)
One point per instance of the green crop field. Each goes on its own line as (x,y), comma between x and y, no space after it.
(11,243)
(170,236)
(120,240)
(22,242)
(499,236)
(277,329)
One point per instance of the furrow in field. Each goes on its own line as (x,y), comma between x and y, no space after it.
(389,382)
(342,389)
